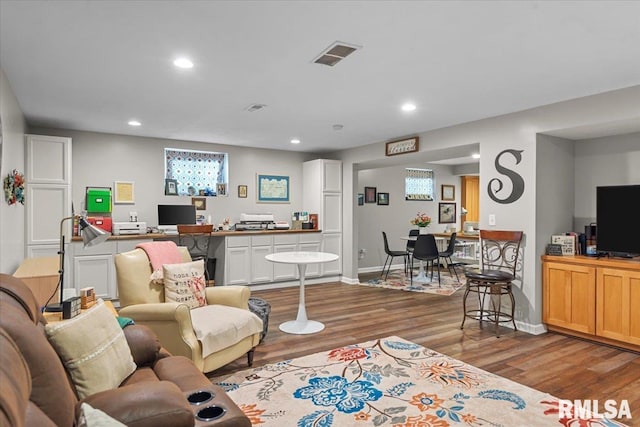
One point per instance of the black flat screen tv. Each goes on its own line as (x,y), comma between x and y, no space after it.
(616,208)
(176,214)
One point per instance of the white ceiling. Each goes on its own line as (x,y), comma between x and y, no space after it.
(94,65)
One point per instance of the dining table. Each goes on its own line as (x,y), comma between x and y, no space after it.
(422,277)
(302,325)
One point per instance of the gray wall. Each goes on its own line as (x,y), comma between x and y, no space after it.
(12,218)
(394,219)
(514,131)
(99,159)
(613,160)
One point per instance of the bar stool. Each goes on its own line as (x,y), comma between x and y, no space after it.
(500,252)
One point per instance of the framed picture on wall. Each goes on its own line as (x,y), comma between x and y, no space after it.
(383,199)
(370,194)
(170,187)
(242,191)
(200,203)
(446,213)
(448,192)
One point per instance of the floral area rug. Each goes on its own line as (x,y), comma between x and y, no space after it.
(398,280)
(389,382)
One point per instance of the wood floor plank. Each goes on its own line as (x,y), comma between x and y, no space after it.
(563,366)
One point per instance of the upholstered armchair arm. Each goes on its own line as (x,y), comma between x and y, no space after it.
(171,322)
(144,404)
(233,296)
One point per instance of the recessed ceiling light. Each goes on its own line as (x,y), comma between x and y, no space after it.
(295,141)
(134,123)
(408,107)
(183,63)
(475,155)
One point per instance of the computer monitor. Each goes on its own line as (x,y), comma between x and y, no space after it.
(169,216)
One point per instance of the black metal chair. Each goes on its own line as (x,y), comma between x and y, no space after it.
(446,255)
(500,254)
(426,250)
(391,255)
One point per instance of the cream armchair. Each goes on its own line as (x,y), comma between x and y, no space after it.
(143,301)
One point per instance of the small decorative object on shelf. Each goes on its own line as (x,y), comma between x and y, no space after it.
(87,297)
(71,307)
(14,188)
(422,220)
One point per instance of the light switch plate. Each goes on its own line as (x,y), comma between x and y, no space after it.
(492,219)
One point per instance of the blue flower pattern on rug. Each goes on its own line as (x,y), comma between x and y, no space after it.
(347,397)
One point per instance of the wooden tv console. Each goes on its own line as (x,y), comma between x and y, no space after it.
(596,299)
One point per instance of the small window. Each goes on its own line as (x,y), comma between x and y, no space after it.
(418,184)
(197,173)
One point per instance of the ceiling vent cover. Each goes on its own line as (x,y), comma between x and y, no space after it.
(335,53)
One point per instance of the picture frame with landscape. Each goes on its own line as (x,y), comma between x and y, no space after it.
(446,213)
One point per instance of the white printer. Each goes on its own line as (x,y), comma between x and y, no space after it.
(123,228)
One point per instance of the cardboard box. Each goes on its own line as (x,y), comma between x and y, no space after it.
(98,200)
(103,222)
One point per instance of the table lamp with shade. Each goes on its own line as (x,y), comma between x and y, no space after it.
(91,236)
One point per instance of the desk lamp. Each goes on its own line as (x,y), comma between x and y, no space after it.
(91,236)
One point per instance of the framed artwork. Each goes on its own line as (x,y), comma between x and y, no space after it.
(360,199)
(242,191)
(200,203)
(446,213)
(369,194)
(273,188)
(402,146)
(448,192)
(170,187)
(383,199)
(221,189)
(123,193)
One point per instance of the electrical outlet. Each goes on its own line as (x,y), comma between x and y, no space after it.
(492,219)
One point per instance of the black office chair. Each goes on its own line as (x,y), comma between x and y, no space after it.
(426,250)
(391,255)
(446,255)
(196,238)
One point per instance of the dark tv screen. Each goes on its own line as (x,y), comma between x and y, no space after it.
(176,214)
(616,208)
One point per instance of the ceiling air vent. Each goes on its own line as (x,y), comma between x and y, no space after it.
(255,107)
(335,53)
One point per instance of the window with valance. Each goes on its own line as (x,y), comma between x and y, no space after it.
(418,184)
(196,172)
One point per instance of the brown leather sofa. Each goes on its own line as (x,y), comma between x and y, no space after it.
(35,389)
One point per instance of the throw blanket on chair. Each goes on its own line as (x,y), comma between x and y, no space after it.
(159,253)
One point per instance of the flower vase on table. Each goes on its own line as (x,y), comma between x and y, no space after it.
(422,221)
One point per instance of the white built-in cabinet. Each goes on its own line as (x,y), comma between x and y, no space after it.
(322,182)
(245,263)
(93,266)
(47,195)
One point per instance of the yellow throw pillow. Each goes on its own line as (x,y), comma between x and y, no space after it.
(93,349)
(184,283)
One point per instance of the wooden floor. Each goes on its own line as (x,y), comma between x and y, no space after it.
(563,366)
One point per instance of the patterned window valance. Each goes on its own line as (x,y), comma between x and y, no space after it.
(196,172)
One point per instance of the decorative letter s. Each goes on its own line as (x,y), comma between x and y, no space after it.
(516,180)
